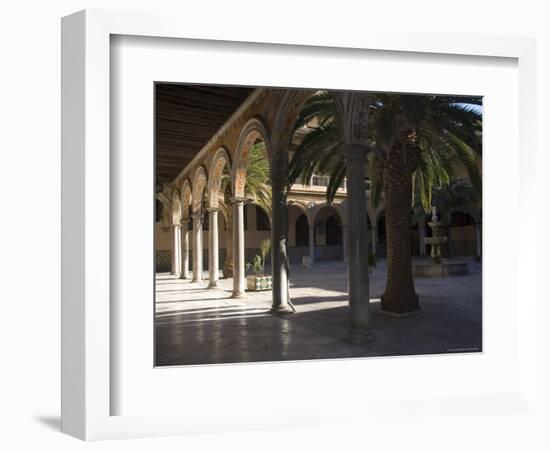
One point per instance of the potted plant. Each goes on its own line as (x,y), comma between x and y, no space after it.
(260,281)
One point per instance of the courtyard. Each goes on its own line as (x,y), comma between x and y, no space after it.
(196,324)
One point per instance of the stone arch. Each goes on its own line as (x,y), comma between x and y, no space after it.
(176,208)
(220,161)
(332,206)
(200,183)
(303,207)
(283,128)
(186,198)
(328,210)
(252,131)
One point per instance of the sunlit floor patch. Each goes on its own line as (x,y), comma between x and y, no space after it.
(198,325)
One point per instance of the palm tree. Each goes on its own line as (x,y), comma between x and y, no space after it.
(458,195)
(415,142)
(257,190)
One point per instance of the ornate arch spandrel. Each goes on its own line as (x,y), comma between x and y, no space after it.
(251,132)
(186,198)
(220,161)
(175,207)
(200,183)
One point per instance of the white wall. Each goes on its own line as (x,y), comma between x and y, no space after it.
(30,229)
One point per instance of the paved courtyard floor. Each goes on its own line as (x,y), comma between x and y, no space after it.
(198,325)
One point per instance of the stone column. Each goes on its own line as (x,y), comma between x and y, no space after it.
(185,248)
(374,234)
(478,239)
(239,280)
(345,244)
(279,259)
(312,244)
(421,236)
(197,247)
(213,248)
(176,249)
(358,267)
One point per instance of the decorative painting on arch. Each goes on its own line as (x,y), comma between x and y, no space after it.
(300,224)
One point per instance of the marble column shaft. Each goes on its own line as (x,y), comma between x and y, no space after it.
(345,243)
(213,248)
(197,247)
(358,238)
(176,249)
(239,278)
(279,260)
(185,248)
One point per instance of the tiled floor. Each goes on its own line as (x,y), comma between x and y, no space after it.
(197,325)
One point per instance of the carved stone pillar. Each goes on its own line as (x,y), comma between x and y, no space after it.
(185,248)
(345,244)
(176,249)
(279,260)
(239,280)
(358,239)
(213,248)
(353,111)
(197,247)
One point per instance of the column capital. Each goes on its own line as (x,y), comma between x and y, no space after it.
(175,225)
(185,221)
(212,209)
(237,200)
(196,215)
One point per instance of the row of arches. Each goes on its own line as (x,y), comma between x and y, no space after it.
(199,190)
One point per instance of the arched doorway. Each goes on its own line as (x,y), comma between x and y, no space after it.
(328,234)
(302,231)
(333,233)
(251,183)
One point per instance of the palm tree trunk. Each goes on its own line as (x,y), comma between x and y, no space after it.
(228,263)
(399,296)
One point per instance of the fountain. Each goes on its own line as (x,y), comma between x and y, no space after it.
(438,237)
(438,267)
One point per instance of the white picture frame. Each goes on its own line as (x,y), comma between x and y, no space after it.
(87,386)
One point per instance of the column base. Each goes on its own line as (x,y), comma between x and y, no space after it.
(213,285)
(281,309)
(238,295)
(175,274)
(360,336)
